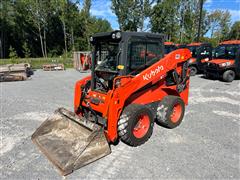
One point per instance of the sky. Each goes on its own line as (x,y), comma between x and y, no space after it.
(233,6)
(102,9)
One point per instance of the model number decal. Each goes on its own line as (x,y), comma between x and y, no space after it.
(153,73)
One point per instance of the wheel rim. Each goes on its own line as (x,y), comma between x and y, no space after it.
(176,113)
(142,126)
(230,76)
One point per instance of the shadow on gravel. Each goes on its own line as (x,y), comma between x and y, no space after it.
(216,79)
(210,78)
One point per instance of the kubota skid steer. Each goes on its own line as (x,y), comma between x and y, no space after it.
(133,86)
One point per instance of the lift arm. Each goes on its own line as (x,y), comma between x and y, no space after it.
(125,86)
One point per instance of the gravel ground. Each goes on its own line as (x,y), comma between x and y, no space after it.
(206,145)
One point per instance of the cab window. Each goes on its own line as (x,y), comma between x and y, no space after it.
(136,56)
(143,54)
(206,50)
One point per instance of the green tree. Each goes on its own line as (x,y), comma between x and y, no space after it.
(7,24)
(26,50)
(164,18)
(146,10)
(235,31)
(131,14)
(73,24)
(86,20)
(12,53)
(179,20)
(225,24)
(215,17)
(47,27)
(37,15)
(220,22)
(190,20)
(62,10)
(99,25)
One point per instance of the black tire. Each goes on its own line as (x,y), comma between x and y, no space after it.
(128,122)
(193,70)
(229,76)
(165,116)
(208,76)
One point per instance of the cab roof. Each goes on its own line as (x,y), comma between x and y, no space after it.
(197,44)
(194,44)
(230,42)
(129,34)
(168,43)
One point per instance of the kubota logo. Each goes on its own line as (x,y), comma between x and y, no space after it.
(153,73)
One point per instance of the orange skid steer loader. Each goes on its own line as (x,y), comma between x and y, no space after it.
(121,99)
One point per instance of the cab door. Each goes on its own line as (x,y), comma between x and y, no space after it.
(142,54)
(204,53)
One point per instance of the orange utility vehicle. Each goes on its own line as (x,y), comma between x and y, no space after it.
(201,53)
(121,99)
(225,63)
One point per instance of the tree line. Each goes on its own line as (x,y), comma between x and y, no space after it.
(49,28)
(177,19)
(46,28)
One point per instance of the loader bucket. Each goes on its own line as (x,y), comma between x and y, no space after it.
(69,141)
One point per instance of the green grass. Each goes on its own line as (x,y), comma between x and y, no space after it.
(38,62)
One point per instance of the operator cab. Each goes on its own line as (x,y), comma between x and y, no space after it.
(122,53)
(200,50)
(226,51)
(201,53)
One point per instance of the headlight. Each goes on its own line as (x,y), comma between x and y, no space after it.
(224,64)
(113,35)
(206,59)
(118,35)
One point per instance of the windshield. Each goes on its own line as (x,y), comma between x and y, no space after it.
(169,48)
(106,55)
(193,50)
(225,52)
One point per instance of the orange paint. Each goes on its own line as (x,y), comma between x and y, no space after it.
(169,43)
(220,61)
(230,42)
(195,44)
(128,90)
